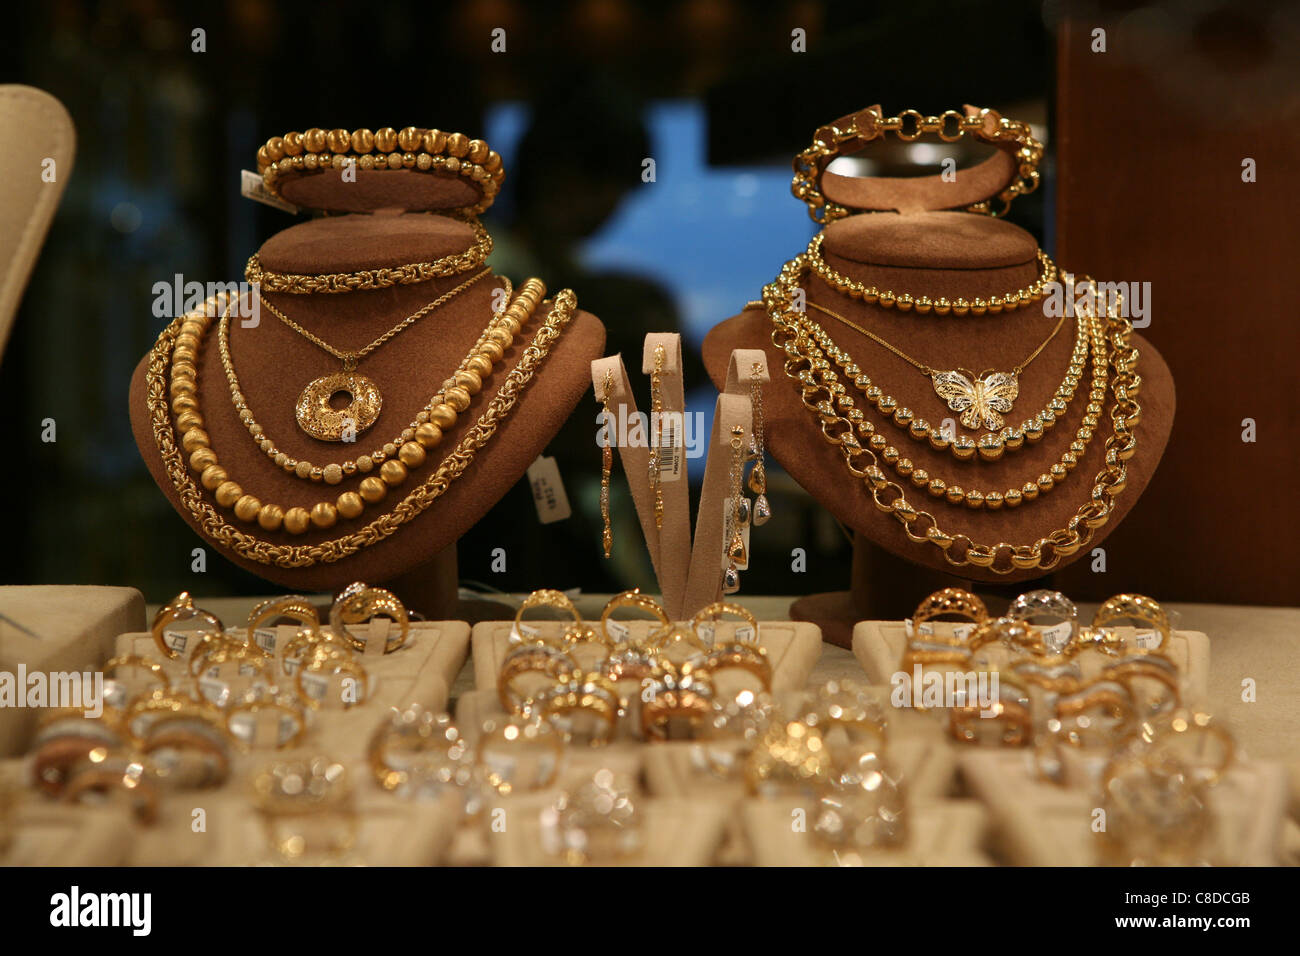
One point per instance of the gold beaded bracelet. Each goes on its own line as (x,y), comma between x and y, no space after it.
(424,150)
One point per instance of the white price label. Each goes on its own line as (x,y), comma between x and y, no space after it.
(670,446)
(264,637)
(176,640)
(252,186)
(549,496)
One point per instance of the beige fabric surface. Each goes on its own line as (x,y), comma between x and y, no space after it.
(58,628)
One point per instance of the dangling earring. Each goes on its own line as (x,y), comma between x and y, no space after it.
(735,540)
(606,466)
(656,423)
(758,475)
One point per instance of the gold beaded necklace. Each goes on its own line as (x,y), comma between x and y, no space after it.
(466,381)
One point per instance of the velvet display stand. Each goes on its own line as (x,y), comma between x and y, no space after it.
(274,363)
(948,254)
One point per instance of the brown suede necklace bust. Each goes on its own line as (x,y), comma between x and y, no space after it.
(946,254)
(274,363)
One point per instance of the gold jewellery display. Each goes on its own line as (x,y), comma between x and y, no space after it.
(633,670)
(606,464)
(412,148)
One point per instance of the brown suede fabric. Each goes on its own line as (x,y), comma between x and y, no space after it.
(933,265)
(379,189)
(274,363)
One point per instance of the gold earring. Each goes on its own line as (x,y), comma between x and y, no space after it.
(607,465)
(758,475)
(656,423)
(735,540)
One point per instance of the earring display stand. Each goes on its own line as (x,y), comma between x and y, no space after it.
(689,574)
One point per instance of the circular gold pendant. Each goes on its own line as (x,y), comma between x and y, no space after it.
(318,417)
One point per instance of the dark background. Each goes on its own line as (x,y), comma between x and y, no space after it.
(163,131)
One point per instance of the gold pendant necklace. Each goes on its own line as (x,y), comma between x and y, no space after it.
(981,399)
(316,409)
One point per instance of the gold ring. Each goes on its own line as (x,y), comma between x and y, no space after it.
(116,696)
(1135,607)
(247,714)
(1189,737)
(309,642)
(1009,715)
(577,693)
(622,634)
(574,632)
(325,662)
(208,642)
(250,660)
(740,635)
(735,655)
(500,744)
(293,607)
(179,610)
(537,659)
(1083,714)
(951,601)
(188,754)
(294,796)
(357,604)
(415,746)
(792,755)
(116,774)
(1148,667)
(145,713)
(670,694)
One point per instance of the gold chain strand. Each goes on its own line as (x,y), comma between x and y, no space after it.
(469,375)
(921,526)
(939,487)
(352,358)
(924,369)
(322,514)
(906,302)
(987,126)
(411,273)
(656,425)
(419,500)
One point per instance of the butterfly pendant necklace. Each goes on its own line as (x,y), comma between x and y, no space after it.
(981,400)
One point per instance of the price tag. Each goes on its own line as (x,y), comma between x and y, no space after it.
(707,633)
(548,490)
(252,186)
(1146,639)
(670,446)
(744,634)
(264,637)
(316,685)
(619,631)
(1056,636)
(962,631)
(522,633)
(176,640)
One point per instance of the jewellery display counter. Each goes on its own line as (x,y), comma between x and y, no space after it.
(377,388)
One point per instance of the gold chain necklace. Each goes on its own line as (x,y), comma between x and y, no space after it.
(322,514)
(314,411)
(981,399)
(905,302)
(157,388)
(410,273)
(427,427)
(952,492)
(821,394)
